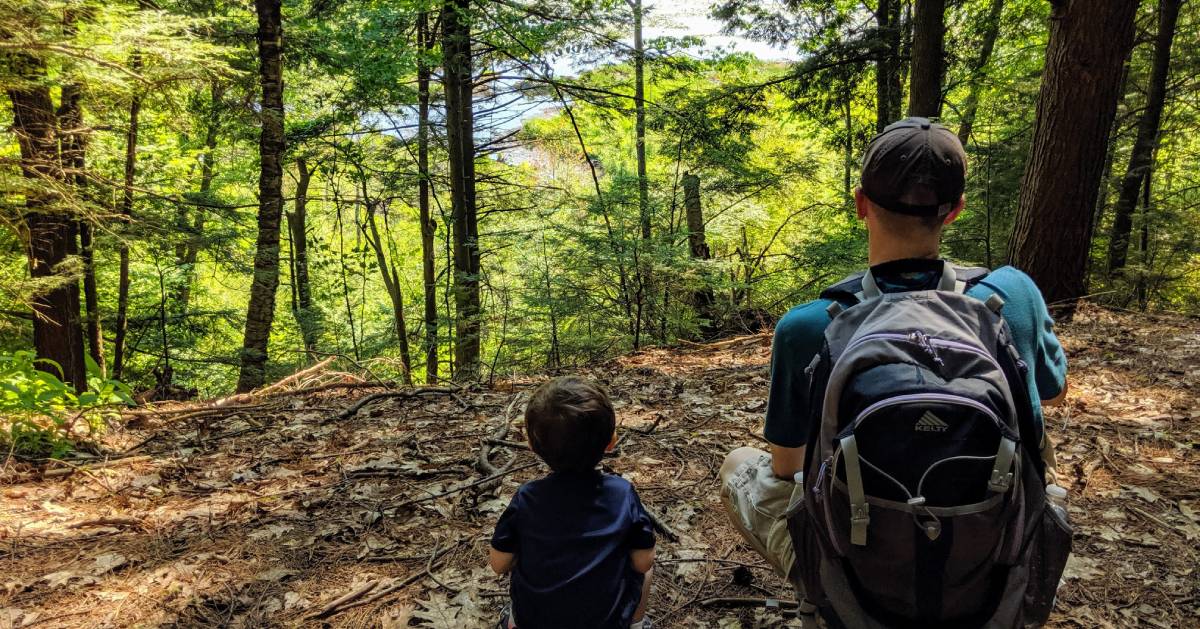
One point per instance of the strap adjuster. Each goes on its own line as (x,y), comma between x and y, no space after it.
(1000,481)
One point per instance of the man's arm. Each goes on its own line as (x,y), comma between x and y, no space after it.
(501,562)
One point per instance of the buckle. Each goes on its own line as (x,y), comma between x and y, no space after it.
(1000,482)
(858,513)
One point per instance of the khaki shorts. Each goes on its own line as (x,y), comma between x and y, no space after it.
(757,503)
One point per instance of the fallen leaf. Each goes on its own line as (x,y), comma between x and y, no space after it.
(108,562)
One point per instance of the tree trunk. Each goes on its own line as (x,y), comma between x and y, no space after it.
(131,142)
(391,283)
(1140,157)
(460,140)
(306,316)
(887,65)
(639,103)
(971,106)
(1076,105)
(195,231)
(929,29)
(57,334)
(703,298)
(428,226)
(260,313)
(74,148)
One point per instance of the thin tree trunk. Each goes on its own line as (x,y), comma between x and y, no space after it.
(1076,105)
(978,71)
(131,143)
(260,313)
(391,282)
(74,150)
(703,298)
(306,316)
(1140,158)
(428,226)
(460,131)
(929,29)
(195,231)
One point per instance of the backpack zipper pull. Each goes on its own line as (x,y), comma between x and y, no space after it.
(922,340)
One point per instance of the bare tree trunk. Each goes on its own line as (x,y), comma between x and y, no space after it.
(428,226)
(703,298)
(391,282)
(306,316)
(57,334)
(460,131)
(260,313)
(888,90)
(971,106)
(1140,158)
(1076,105)
(639,102)
(929,29)
(131,143)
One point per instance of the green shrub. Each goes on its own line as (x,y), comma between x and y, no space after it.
(40,415)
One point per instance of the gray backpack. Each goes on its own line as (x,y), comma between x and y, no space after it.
(923,494)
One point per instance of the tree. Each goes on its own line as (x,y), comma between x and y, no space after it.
(888,90)
(131,144)
(460,140)
(1076,103)
(929,28)
(1141,157)
(991,30)
(425,42)
(306,315)
(260,313)
(50,231)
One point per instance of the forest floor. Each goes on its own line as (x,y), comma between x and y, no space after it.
(280,510)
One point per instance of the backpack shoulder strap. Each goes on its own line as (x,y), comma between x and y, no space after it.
(849,291)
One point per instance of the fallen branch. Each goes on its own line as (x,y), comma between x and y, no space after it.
(335,606)
(114,522)
(661,526)
(72,468)
(739,601)
(351,600)
(455,490)
(353,409)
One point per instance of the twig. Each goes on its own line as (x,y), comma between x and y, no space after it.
(331,609)
(355,594)
(72,468)
(661,526)
(455,490)
(115,521)
(739,601)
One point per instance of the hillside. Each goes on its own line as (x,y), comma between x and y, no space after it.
(285,509)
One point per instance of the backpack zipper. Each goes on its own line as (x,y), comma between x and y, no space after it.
(926,342)
(931,397)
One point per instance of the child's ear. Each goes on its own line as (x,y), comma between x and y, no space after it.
(612,443)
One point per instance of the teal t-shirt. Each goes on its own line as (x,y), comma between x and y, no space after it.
(800,333)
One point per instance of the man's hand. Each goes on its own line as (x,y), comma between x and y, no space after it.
(501,563)
(785,462)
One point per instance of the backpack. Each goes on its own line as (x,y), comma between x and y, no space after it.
(922,502)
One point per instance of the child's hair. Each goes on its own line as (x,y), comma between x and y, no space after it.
(570,422)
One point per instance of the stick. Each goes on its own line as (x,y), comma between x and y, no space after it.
(331,609)
(455,490)
(353,409)
(738,601)
(117,522)
(661,526)
(354,594)
(67,471)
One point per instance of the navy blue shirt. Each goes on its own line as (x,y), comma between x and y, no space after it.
(800,333)
(573,534)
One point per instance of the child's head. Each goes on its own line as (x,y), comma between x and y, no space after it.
(570,423)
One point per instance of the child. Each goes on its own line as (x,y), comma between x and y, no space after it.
(578,542)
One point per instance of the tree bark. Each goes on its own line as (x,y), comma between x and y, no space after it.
(971,106)
(306,316)
(639,103)
(57,334)
(428,226)
(131,143)
(74,150)
(260,313)
(460,139)
(703,298)
(929,29)
(1141,157)
(1076,105)
(888,90)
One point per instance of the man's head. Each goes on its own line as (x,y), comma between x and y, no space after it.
(913,177)
(570,423)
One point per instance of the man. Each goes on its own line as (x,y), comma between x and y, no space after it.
(912,187)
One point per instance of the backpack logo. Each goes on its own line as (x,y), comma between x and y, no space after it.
(930,423)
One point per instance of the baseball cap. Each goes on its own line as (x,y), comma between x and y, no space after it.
(915,167)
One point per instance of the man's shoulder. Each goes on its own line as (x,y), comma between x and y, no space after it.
(803,323)
(1012,284)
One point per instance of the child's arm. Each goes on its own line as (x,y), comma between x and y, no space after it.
(501,562)
(643,559)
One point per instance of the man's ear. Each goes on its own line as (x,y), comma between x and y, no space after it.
(612,443)
(861,203)
(958,208)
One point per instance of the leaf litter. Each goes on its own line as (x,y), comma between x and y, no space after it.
(273,510)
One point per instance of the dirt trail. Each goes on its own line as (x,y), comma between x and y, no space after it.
(282,513)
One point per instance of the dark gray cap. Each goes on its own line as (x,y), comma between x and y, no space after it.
(915,167)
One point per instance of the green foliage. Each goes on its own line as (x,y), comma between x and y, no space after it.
(40,416)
